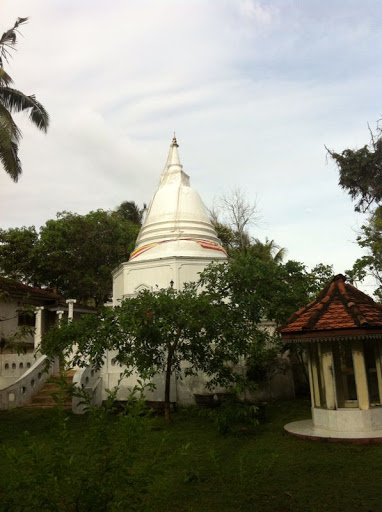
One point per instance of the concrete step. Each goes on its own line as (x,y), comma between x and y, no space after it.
(43,399)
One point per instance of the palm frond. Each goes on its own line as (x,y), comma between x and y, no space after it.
(5,79)
(16,101)
(8,128)
(9,139)
(9,39)
(10,160)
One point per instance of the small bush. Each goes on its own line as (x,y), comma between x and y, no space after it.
(232,414)
(99,472)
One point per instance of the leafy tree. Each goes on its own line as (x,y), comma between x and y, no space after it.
(267,250)
(17,259)
(361,172)
(171,332)
(206,327)
(265,288)
(361,176)
(130,211)
(226,235)
(13,101)
(73,254)
(76,253)
(370,239)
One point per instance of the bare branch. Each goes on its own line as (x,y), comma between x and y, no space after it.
(237,213)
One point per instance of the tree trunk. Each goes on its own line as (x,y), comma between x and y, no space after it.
(168,385)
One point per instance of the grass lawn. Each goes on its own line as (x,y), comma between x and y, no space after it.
(255,470)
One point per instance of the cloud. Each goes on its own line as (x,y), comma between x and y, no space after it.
(253,89)
(259,13)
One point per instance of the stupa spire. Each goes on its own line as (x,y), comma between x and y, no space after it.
(177,221)
(173,161)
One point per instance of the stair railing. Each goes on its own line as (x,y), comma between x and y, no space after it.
(88,383)
(25,387)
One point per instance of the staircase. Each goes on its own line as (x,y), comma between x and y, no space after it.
(44,398)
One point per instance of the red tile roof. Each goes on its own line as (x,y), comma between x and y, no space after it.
(339,308)
(38,296)
(16,288)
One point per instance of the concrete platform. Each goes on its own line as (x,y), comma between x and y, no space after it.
(305,429)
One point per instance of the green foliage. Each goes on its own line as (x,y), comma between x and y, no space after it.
(370,239)
(13,101)
(234,417)
(263,360)
(74,254)
(264,288)
(191,468)
(267,250)
(17,257)
(103,472)
(172,332)
(228,237)
(130,211)
(361,172)
(361,176)
(206,327)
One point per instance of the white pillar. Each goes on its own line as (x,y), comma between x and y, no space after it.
(360,375)
(328,375)
(313,376)
(38,327)
(59,313)
(70,303)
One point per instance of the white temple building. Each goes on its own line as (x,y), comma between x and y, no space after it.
(176,242)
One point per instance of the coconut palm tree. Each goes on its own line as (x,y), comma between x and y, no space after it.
(267,250)
(13,101)
(129,210)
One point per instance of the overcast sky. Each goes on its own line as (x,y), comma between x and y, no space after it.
(254,90)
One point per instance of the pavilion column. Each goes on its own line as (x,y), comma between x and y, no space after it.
(328,375)
(38,326)
(378,365)
(313,377)
(360,375)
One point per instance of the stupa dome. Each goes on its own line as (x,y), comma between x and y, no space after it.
(177,222)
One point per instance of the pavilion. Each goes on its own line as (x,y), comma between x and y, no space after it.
(341,331)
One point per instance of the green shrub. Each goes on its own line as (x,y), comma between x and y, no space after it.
(101,471)
(233,415)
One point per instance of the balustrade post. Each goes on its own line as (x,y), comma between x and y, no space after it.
(38,326)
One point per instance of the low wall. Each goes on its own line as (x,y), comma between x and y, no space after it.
(13,366)
(87,381)
(348,420)
(278,385)
(22,389)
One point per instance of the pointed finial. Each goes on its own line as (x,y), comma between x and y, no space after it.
(174,142)
(173,161)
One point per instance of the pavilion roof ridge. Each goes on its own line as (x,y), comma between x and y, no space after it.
(338,306)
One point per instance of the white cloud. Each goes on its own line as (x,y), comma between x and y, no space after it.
(258,12)
(253,89)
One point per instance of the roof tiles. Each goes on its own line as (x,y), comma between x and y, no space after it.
(338,306)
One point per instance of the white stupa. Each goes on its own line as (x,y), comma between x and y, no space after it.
(177,240)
